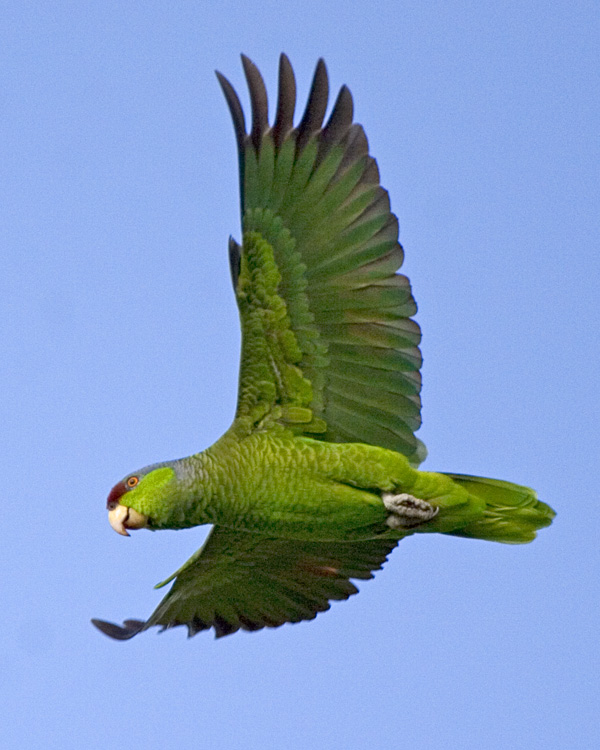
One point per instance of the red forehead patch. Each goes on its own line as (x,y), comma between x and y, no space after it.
(115,494)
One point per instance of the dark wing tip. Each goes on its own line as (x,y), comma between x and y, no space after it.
(341,117)
(338,128)
(258,101)
(316,106)
(223,627)
(286,101)
(118,632)
(235,107)
(356,146)
(235,256)
(338,124)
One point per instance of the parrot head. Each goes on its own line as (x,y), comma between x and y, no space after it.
(141,499)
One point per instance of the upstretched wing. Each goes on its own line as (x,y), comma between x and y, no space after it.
(239,580)
(328,344)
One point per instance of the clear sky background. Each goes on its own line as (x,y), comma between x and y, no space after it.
(120,345)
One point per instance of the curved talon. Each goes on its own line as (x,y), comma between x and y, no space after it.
(407,511)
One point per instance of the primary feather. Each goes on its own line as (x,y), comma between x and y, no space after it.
(316,481)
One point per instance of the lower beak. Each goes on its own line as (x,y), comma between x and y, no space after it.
(122,518)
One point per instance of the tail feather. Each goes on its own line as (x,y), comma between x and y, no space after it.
(513,513)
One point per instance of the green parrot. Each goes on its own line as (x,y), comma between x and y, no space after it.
(317,479)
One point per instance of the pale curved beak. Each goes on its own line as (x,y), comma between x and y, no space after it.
(122,518)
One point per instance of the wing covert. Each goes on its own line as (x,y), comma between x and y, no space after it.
(329,346)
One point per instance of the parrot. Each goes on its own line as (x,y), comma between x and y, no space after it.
(317,480)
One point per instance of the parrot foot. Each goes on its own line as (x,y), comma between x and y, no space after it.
(407,511)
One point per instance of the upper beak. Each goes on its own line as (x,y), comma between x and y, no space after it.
(122,518)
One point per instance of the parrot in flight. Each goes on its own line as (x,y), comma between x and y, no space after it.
(317,479)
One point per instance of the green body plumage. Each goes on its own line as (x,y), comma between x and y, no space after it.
(299,488)
(279,484)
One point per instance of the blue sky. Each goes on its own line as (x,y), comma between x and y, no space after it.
(120,344)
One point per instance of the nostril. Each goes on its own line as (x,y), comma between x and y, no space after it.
(111,505)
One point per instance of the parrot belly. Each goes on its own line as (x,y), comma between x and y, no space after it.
(297,487)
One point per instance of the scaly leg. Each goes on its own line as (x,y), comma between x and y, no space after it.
(407,511)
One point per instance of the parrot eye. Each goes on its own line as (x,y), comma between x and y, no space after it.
(132,481)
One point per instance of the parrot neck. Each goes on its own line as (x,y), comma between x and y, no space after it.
(198,483)
(210,483)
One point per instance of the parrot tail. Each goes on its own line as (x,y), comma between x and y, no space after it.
(512,515)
